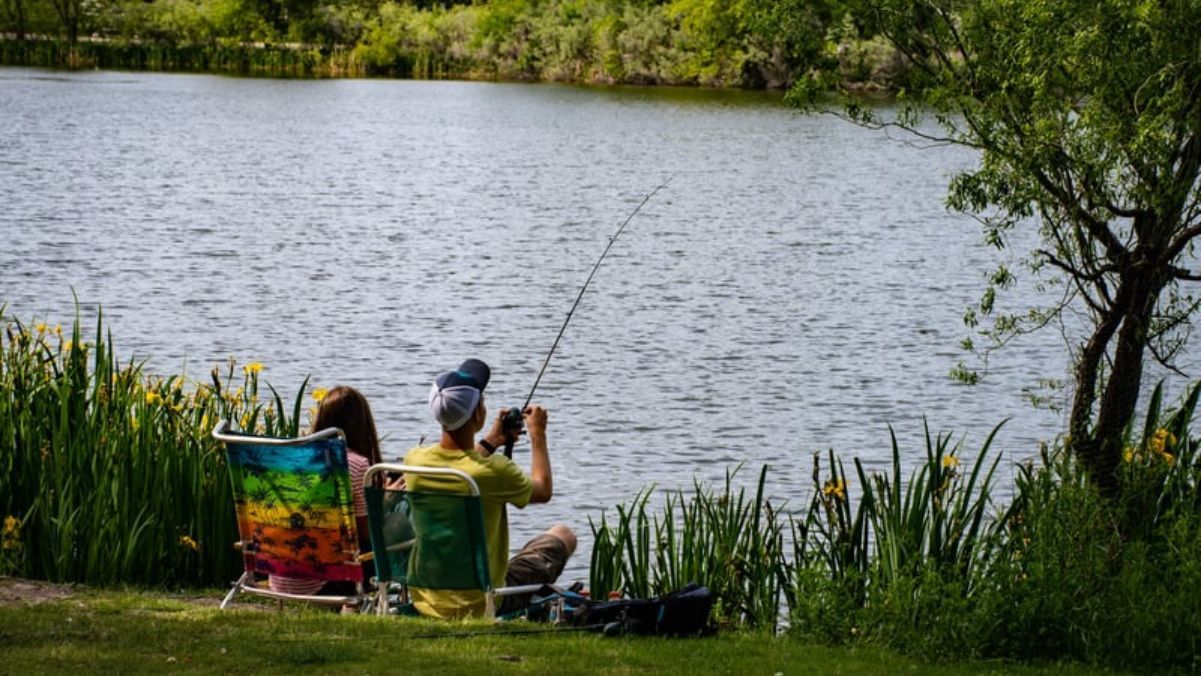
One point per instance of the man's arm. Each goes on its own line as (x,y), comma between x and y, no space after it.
(540,475)
(541,480)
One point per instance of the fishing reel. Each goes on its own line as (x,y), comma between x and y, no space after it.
(513,425)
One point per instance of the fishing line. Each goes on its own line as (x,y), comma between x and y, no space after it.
(513,419)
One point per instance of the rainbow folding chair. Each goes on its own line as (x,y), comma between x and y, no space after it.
(430,539)
(295,513)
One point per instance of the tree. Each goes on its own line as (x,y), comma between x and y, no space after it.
(15,16)
(1087,117)
(70,12)
(786,38)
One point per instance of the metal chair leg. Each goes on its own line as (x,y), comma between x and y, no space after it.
(381,602)
(232,592)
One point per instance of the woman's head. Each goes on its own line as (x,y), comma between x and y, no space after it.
(345,408)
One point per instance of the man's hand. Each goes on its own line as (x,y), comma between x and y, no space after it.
(540,475)
(535,422)
(394,482)
(499,434)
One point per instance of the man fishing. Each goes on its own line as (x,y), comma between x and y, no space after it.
(456,401)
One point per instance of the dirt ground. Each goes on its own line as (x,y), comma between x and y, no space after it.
(17,591)
(28,592)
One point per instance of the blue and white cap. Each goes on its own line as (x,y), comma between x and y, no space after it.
(455,395)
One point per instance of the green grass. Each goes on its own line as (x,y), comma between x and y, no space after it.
(142,632)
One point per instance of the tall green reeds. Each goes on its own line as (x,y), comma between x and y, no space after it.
(215,56)
(110,475)
(885,542)
(845,552)
(926,565)
(934,518)
(728,541)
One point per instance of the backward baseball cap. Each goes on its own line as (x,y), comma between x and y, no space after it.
(455,395)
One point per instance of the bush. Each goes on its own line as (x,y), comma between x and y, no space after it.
(1062,573)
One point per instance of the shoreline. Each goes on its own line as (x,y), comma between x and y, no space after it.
(323,62)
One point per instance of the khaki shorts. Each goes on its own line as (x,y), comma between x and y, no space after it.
(540,561)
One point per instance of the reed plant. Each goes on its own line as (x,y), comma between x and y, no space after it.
(935,518)
(604,568)
(1062,572)
(109,474)
(870,553)
(832,534)
(1094,578)
(1160,477)
(727,540)
(215,56)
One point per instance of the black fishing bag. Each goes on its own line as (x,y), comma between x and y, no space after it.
(684,612)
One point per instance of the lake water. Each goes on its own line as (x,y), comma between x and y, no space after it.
(798,286)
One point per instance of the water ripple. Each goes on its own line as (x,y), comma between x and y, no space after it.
(799,286)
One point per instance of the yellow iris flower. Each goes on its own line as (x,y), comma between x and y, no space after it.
(1162,439)
(837,489)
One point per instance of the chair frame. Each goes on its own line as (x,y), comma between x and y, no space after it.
(246,582)
(490,593)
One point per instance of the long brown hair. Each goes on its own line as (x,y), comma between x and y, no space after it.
(345,408)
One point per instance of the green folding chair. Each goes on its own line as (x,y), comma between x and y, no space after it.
(295,513)
(433,540)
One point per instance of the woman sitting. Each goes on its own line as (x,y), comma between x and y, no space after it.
(345,408)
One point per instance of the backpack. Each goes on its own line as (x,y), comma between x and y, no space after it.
(684,612)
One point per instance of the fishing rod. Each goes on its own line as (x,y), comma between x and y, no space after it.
(513,416)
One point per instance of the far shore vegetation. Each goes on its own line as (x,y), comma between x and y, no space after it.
(715,43)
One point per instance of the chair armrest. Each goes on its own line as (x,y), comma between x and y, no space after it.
(524,589)
(402,546)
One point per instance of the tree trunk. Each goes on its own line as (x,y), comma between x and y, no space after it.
(1088,370)
(1099,447)
(68,13)
(18,18)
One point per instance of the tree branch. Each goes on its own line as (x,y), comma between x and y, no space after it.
(1078,278)
(1115,250)
(905,49)
(1186,275)
(1180,241)
(885,126)
(1165,360)
(964,52)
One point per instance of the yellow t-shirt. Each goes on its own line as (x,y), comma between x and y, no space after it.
(501,482)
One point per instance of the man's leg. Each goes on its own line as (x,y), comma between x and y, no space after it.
(540,561)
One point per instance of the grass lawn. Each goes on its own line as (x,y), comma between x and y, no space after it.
(58,629)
